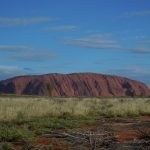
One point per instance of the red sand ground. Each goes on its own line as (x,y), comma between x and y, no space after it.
(130,135)
(125,130)
(43,142)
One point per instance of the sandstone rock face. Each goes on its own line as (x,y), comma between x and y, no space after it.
(77,84)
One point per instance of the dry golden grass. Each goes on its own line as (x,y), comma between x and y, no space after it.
(13,108)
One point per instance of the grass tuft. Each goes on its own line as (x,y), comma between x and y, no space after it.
(13,134)
(24,108)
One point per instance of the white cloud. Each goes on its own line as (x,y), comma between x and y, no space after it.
(10,71)
(23,21)
(15,48)
(104,42)
(135,73)
(144,41)
(33,57)
(26,53)
(62,28)
(136,14)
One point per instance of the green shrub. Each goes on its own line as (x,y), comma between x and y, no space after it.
(10,133)
(5,146)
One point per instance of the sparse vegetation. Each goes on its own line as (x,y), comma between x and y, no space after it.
(24,108)
(24,119)
(10,133)
(5,146)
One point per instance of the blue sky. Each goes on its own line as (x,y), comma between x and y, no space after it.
(66,36)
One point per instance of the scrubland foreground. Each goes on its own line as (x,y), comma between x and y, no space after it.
(44,123)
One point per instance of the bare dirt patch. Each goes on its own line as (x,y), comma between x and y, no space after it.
(105,134)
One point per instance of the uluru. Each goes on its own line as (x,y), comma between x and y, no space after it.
(74,85)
